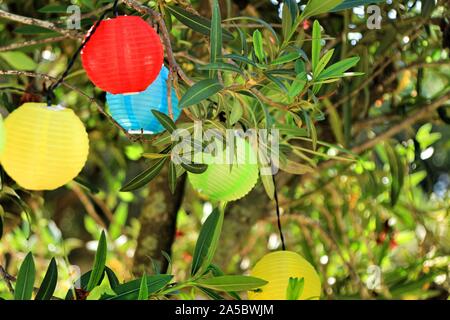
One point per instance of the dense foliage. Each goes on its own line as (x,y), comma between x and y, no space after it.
(362,189)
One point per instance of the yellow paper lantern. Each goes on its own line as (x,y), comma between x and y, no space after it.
(2,136)
(46,147)
(276,268)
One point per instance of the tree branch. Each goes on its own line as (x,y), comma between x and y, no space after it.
(40,23)
(19,45)
(412,119)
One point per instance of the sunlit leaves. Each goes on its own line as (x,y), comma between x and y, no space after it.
(25,279)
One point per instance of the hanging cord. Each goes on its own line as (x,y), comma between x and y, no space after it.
(278,213)
(115,9)
(50,95)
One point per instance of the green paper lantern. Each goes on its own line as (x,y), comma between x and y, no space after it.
(223,181)
(2,136)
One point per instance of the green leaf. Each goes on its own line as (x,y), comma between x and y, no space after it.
(316,44)
(291,56)
(53,8)
(215,36)
(143,289)
(33,30)
(347,4)
(259,21)
(231,283)
(286,21)
(338,69)
(397,172)
(99,263)
(240,58)
(207,242)
(83,281)
(211,293)
(297,85)
(195,22)
(25,279)
(323,63)
(130,290)
(18,60)
(236,113)
(144,177)
(200,91)
(295,288)
(165,120)
(194,167)
(316,7)
(48,285)
(258,46)
(268,184)
(112,278)
(221,66)
(172,177)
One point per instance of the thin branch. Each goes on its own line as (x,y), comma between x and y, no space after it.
(7,278)
(40,23)
(423,113)
(18,45)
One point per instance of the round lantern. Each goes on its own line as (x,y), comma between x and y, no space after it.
(276,268)
(123,55)
(2,136)
(133,111)
(45,148)
(224,181)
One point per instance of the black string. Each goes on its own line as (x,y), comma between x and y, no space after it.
(50,95)
(278,213)
(115,9)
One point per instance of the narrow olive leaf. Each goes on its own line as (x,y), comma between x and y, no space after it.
(194,167)
(323,63)
(316,44)
(165,120)
(200,91)
(239,58)
(195,22)
(222,66)
(297,85)
(236,113)
(143,289)
(258,46)
(48,285)
(53,8)
(316,7)
(112,278)
(144,177)
(347,4)
(207,242)
(215,36)
(99,263)
(211,293)
(231,283)
(153,156)
(338,69)
(130,290)
(172,177)
(292,167)
(291,56)
(269,187)
(277,81)
(295,288)
(216,271)
(397,172)
(286,22)
(81,284)
(262,22)
(25,279)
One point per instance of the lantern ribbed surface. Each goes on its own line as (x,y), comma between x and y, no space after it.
(46,147)
(123,55)
(133,111)
(2,136)
(219,183)
(276,268)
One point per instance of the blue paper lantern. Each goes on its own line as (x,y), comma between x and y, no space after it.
(133,111)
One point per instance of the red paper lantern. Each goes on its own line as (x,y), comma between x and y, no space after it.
(123,55)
